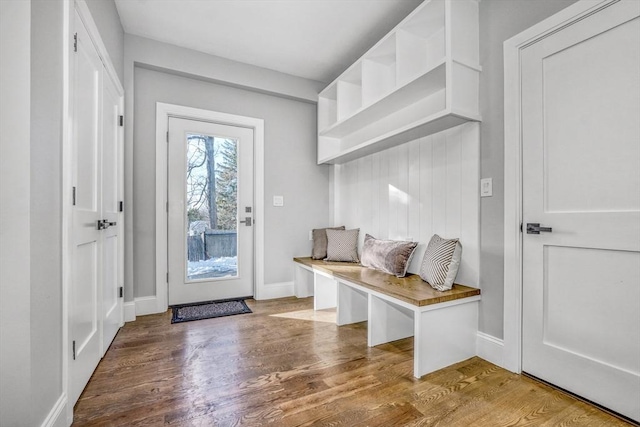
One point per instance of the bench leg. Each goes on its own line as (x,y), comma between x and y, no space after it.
(325,291)
(352,305)
(388,321)
(302,282)
(444,336)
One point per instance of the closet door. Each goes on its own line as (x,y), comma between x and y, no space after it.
(85,325)
(581,208)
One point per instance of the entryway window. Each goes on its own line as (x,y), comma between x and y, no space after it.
(212,208)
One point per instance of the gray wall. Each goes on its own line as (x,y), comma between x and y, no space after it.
(499,21)
(15,304)
(107,20)
(290,168)
(46,206)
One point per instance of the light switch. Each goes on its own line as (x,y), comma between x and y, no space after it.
(486,187)
(278,200)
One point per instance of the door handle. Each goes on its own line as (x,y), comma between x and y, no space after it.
(247,221)
(534,228)
(103,224)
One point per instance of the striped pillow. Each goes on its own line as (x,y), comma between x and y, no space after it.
(440,263)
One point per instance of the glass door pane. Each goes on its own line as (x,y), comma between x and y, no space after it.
(212,207)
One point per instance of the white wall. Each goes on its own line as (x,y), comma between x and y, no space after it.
(290,168)
(15,290)
(499,21)
(46,206)
(424,187)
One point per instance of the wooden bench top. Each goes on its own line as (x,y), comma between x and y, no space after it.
(411,289)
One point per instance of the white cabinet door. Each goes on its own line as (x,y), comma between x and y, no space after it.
(210,193)
(581,177)
(84,300)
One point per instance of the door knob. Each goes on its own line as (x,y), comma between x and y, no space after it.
(103,224)
(247,221)
(534,228)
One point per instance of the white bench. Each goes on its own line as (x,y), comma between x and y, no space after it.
(444,324)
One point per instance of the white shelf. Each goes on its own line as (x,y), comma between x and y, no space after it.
(421,78)
(429,125)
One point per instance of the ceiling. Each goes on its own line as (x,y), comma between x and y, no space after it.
(314,39)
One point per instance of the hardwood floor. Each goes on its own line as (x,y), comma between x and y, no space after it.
(286,365)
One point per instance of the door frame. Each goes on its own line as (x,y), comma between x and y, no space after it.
(163,112)
(512,315)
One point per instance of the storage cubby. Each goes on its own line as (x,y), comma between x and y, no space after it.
(421,41)
(349,92)
(328,107)
(379,71)
(420,79)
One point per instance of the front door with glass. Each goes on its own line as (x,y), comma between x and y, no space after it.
(210,194)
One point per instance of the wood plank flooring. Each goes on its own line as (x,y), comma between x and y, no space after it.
(286,365)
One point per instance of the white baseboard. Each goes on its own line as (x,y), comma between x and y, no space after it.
(129,311)
(57,415)
(490,348)
(146,305)
(276,290)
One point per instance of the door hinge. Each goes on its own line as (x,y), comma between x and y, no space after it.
(120,206)
(167,137)
(73,196)
(75,42)
(121,120)
(121,291)
(521,227)
(167,277)
(73,347)
(167,207)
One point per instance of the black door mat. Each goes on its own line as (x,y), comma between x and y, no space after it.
(208,309)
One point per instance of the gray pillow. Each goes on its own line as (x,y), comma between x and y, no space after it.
(319,250)
(390,256)
(440,263)
(342,245)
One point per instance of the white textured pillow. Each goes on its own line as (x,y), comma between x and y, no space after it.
(440,263)
(342,245)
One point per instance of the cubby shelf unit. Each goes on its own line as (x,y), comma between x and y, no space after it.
(420,79)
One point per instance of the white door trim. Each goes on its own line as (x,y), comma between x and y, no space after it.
(513,170)
(163,112)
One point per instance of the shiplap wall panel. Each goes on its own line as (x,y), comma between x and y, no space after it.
(453,177)
(393,196)
(426,186)
(439,178)
(413,185)
(470,205)
(402,220)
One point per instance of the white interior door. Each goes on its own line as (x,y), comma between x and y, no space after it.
(210,211)
(581,178)
(111,304)
(84,308)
